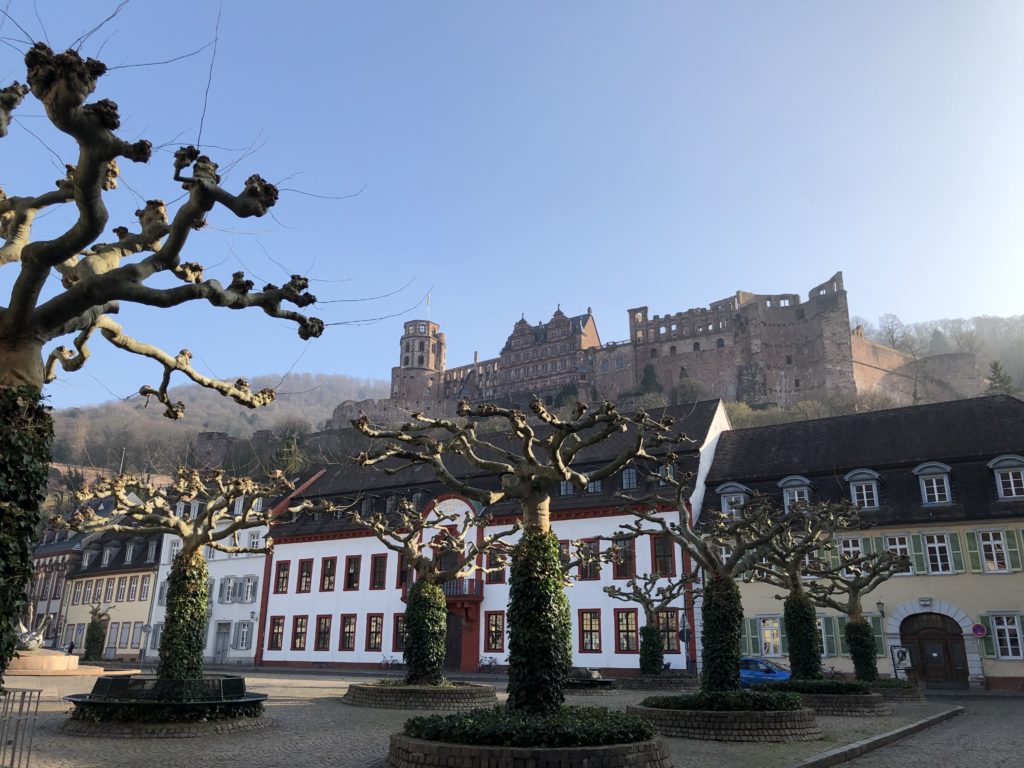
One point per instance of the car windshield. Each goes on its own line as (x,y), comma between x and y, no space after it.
(774,665)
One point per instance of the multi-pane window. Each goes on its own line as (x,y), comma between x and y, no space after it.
(249,589)
(403,571)
(151,551)
(281,576)
(322,640)
(1006,630)
(76,593)
(590,631)
(352,565)
(625,559)
(108,593)
(900,546)
(732,503)
(87,594)
(666,472)
(300,624)
(565,488)
(254,540)
(374,631)
(174,549)
(496,562)
(993,550)
(864,494)
(378,571)
(668,626)
(304,583)
(494,640)
(627,633)
(629,479)
(792,496)
(594,486)
(244,635)
(122,585)
(663,555)
(935,489)
(590,566)
(328,573)
(133,588)
(771,636)
(347,641)
(398,636)
(1010,483)
(849,550)
(937,553)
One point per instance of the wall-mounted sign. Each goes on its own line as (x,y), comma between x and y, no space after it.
(979,630)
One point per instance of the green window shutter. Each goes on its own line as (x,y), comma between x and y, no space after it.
(1012,550)
(745,639)
(876,627)
(833,554)
(783,640)
(866,545)
(988,643)
(918,545)
(830,635)
(754,630)
(879,544)
(841,633)
(958,556)
(972,551)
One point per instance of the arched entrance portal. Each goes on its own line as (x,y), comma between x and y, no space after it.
(937,650)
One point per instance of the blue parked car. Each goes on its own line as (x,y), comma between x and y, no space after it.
(755,670)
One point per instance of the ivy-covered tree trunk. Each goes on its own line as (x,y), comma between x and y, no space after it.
(94,634)
(802,631)
(860,639)
(652,650)
(184,634)
(723,630)
(26,438)
(540,629)
(426,625)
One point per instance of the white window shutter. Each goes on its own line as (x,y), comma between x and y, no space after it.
(162,598)
(220,593)
(255,589)
(236,631)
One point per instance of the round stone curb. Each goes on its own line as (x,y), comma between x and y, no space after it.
(162,730)
(901,695)
(670,683)
(841,705)
(773,725)
(407,752)
(453,698)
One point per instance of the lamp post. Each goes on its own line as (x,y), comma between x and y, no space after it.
(881,608)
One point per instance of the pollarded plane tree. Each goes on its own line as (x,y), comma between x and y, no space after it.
(840,582)
(528,462)
(808,534)
(722,548)
(228,506)
(436,546)
(97,278)
(654,594)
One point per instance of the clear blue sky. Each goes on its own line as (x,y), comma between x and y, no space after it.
(514,156)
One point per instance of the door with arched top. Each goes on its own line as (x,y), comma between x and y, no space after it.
(937,650)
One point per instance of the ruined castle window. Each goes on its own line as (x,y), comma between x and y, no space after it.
(604,366)
(789,359)
(423,328)
(639,336)
(654,353)
(784,302)
(419,346)
(672,350)
(675,327)
(720,343)
(408,346)
(800,314)
(661,330)
(419,360)
(620,363)
(406,361)
(796,383)
(639,318)
(696,346)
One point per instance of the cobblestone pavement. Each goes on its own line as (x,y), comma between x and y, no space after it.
(309,726)
(989,733)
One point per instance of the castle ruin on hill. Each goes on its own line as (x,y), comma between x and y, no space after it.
(756,348)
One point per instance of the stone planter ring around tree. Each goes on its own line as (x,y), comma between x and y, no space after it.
(457,697)
(846,705)
(766,726)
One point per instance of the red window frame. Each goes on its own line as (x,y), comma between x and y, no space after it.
(296,634)
(591,571)
(379,573)
(495,558)
(328,573)
(282,568)
(398,633)
(318,633)
(490,647)
(655,538)
(401,572)
(579,619)
(670,634)
(624,567)
(635,632)
(370,617)
(359,566)
(304,576)
(275,635)
(344,632)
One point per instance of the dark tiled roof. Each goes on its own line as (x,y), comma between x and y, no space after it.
(118,544)
(950,431)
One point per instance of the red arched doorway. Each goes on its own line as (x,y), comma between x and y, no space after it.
(937,650)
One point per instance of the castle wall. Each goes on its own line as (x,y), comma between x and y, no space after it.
(874,366)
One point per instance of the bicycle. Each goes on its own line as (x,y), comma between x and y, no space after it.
(835,674)
(389,662)
(487,664)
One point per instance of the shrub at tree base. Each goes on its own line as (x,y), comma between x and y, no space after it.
(25,443)
(723,629)
(728,701)
(502,727)
(652,651)
(860,639)
(184,633)
(540,640)
(426,617)
(831,687)
(94,634)
(802,630)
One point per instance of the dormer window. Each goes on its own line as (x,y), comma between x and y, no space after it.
(86,557)
(733,496)
(193,511)
(863,488)
(151,552)
(934,479)
(565,488)
(129,551)
(1009,471)
(106,557)
(629,479)
(179,509)
(795,490)
(666,472)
